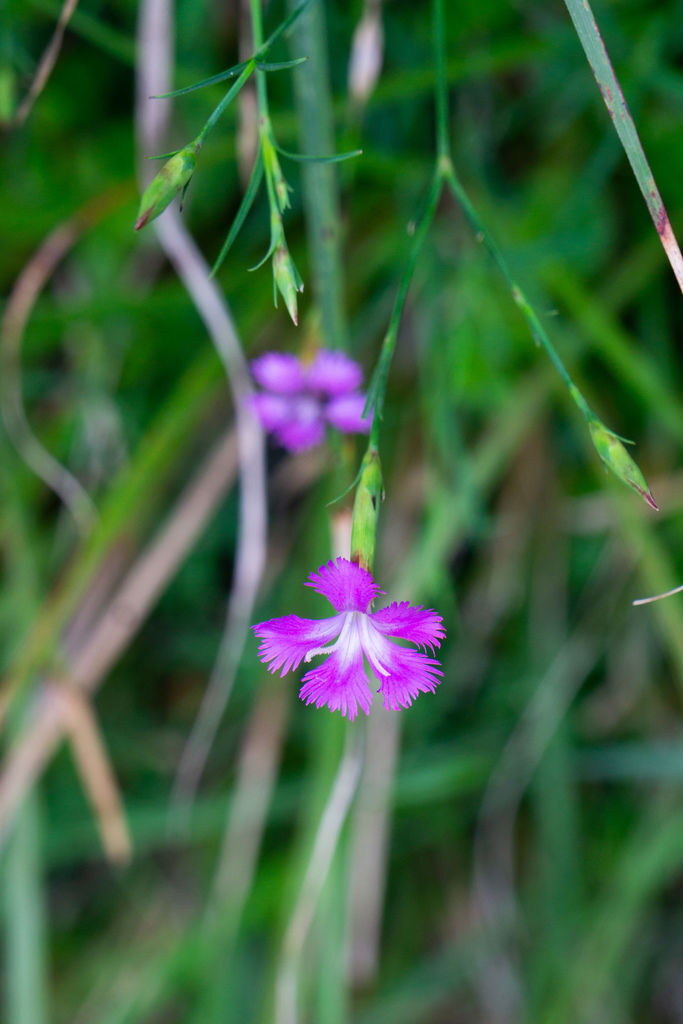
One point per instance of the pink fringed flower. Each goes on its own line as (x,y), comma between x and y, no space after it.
(298,401)
(353,634)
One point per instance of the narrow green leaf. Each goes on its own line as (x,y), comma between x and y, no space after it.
(601,65)
(164,156)
(271,250)
(347,490)
(305,158)
(232,72)
(245,206)
(281,65)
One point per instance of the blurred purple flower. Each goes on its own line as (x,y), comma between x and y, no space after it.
(297,401)
(354,633)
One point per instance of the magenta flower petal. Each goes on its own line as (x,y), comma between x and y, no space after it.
(420,626)
(286,641)
(340,682)
(334,373)
(301,432)
(402,672)
(345,585)
(279,372)
(273,411)
(346,414)
(411,673)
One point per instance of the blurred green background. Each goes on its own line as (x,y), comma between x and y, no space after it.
(515,849)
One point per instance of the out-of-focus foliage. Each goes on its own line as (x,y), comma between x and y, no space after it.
(536,844)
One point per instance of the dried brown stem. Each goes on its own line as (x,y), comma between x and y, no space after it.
(96,773)
(127,610)
(47,62)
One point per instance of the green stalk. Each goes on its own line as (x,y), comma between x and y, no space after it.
(25,920)
(320,190)
(257,41)
(443,145)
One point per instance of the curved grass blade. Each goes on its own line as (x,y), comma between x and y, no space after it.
(312,158)
(232,72)
(281,65)
(271,250)
(164,156)
(601,66)
(244,207)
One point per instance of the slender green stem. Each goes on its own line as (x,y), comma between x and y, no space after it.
(443,146)
(449,175)
(320,180)
(536,327)
(25,920)
(257,34)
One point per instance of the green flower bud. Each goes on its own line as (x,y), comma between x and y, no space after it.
(369,495)
(287,280)
(614,455)
(173,177)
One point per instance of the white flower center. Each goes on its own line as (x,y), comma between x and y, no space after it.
(348,641)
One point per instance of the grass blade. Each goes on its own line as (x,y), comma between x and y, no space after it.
(244,207)
(305,158)
(232,72)
(598,58)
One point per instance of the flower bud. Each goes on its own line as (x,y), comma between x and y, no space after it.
(287,280)
(173,177)
(614,455)
(369,495)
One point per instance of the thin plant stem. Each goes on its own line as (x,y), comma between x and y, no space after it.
(537,329)
(47,62)
(257,38)
(449,175)
(443,145)
(25,920)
